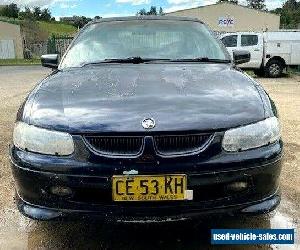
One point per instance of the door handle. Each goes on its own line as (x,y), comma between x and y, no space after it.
(257,50)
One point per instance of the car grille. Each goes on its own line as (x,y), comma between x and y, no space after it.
(180,144)
(119,145)
(133,145)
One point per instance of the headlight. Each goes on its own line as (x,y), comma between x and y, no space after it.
(252,136)
(41,140)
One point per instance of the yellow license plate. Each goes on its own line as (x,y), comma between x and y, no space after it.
(149,188)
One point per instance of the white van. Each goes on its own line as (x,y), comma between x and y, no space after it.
(271,52)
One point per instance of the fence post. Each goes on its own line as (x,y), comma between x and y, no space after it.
(51,45)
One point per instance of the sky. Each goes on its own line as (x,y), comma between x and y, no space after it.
(113,8)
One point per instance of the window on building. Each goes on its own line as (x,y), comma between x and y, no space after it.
(249,40)
(230,41)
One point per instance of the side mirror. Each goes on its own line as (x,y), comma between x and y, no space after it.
(50,61)
(241,56)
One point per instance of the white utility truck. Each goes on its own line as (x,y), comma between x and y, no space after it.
(271,52)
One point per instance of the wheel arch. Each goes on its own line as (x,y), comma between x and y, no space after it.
(277,58)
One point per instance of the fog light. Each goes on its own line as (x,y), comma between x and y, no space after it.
(61,191)
(237,186)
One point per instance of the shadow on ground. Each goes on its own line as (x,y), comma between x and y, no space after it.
(97,235)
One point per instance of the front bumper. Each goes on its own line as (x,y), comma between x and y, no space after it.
(148,214)
(91,185)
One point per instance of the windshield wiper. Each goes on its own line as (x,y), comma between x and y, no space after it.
(138,60)
(133,60)
(202,59)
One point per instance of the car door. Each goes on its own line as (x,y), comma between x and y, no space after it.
(254,44)
(230,42)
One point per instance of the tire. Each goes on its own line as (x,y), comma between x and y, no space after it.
(274,68)
(259,72)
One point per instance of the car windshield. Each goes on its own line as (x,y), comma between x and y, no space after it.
(144,39)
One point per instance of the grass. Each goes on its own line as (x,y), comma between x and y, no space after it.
(250,73)
(293,70)
(57,28)
(10,20)
(19,62)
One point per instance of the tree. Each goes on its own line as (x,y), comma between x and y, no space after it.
(161,12)
(142,12)
(26,14)
(256,4)
(152,11)
(77,21)
(11,11)
(45,15)
(228,1)
(37,12)
(291,4)
(289,14)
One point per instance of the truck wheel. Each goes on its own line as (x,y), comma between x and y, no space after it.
(259,72)
(274,68)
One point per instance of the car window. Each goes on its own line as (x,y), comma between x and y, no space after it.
(159,39)
(249,40)
(230,41)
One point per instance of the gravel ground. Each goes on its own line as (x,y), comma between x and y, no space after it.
(18,232)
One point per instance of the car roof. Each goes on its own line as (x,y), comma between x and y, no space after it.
(145,17)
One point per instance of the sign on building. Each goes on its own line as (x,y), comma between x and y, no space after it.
(226,21)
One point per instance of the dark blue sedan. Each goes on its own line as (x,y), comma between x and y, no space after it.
(146,118)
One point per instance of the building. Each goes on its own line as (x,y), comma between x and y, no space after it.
(229,17)
(11,45)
